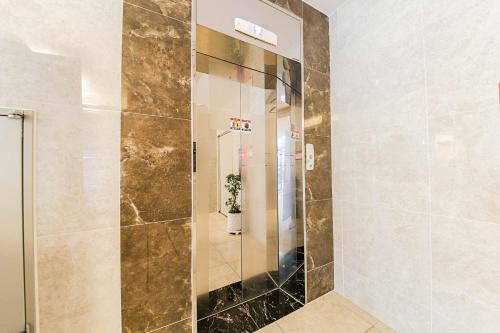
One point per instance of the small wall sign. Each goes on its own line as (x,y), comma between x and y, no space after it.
(246,125)
(234,124)
(243,125)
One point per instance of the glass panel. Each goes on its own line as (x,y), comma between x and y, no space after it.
(248,126)
(258,174)
(289,148)
(290,181)
(217,101)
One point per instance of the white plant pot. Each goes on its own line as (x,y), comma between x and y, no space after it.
(234,223)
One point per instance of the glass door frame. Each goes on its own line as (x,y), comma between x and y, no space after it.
(27,118)
(224,49)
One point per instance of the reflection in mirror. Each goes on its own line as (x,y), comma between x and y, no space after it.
(248,186)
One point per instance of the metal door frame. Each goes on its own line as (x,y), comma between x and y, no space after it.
(28,119)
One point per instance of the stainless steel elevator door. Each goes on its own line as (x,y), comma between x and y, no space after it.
(12,297)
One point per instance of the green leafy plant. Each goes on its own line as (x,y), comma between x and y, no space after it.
(233,186)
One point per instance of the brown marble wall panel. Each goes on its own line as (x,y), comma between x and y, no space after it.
(134,278)
(317,129)
(317,118)
(156,275)
(316,40)
(156,68)
(177,9)
(319,231)
(156,169)
(156,166)
(319,281)
(318,181)
(293,6)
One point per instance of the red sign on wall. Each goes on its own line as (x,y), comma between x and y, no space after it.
(243,125)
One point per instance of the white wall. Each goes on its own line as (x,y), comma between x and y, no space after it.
(416,151)
(62,59)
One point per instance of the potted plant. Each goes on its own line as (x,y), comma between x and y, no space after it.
(233,186)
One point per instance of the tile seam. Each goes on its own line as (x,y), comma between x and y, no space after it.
(161,14)
(316,268)
(155,116)
(318,136)
(239,304)
(318,72)
(317,200)
(169,325)
(157,222)
(429,161)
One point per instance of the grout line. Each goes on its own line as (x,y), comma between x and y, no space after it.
(156,222)
(292,274)
(315,268)
(318,200)
(317,136)
(186,23)
(155,115)
(318,72)
(236,305)
(284,291)
(249,300)
(429,160)
(171,324)
(279,326)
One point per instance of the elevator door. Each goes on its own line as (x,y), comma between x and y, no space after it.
(12,299)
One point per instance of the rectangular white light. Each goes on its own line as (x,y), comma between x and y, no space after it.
(255,31)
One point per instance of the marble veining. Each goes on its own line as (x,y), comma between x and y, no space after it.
(317,129)
(319,232)
(177,9)
(319,281)
(156,277)
(258,285)
(156,169)
(294,6)
(233,320)
(220,299)
(272,306)
(295,285)
(317,119)
(156,69)
(251,315)
(316,40)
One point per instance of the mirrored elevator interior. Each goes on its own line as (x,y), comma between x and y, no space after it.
(248,125)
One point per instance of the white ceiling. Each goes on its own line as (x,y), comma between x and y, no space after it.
(326,6)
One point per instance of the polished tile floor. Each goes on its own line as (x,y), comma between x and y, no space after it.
(331,313)
(225,254)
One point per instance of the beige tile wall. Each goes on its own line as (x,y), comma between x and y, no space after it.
(417,162)
(62,60)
